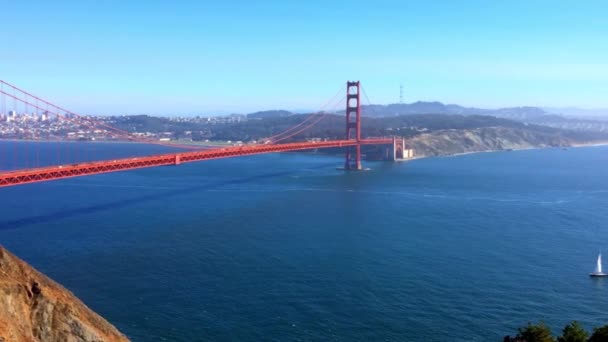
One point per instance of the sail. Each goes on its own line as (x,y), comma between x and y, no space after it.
(598,268)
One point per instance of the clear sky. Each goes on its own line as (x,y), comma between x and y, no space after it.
(198,57)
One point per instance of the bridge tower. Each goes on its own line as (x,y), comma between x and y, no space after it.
(353,125)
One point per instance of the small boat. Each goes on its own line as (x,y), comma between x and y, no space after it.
(598,268)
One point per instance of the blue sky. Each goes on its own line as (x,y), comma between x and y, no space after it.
(199,57)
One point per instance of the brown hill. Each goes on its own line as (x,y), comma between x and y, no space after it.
(35,308)
(455,141)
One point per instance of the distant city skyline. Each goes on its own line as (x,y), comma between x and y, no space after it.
(201,57)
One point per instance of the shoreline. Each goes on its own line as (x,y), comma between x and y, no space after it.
(109,142)
(221,144)
(576,145)
(603,143)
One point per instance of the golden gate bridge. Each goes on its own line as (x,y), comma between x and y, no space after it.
(75,167)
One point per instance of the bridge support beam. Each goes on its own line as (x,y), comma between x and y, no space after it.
(399,151)
(352,158)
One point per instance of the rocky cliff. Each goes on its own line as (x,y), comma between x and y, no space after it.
(35,308)
(449,142)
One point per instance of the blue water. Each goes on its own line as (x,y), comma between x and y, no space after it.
(284,247)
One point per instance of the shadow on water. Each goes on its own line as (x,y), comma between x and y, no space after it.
(598,283)
(63,214)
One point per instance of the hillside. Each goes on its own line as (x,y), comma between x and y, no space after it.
(35,308)
(421,107)
(409,126)
(332,126)
(269,114)
(432,134)
(451,142)
(552,117)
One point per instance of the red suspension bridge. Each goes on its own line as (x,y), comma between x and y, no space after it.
(14,97)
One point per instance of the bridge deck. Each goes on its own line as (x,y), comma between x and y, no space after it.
(75,170)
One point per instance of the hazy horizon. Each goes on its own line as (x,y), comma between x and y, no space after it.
(237,56)
(568,111)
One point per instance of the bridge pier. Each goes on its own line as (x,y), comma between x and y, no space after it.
(398,151)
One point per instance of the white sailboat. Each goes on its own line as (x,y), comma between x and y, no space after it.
(598,268)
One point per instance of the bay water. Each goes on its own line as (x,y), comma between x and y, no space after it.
(284,247)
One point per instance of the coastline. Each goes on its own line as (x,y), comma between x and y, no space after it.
(603,143)
(576,145)
(416,157)
(109,142)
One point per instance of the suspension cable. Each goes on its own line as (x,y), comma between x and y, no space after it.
(274,138)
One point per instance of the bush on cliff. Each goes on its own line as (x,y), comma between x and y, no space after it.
(573,332)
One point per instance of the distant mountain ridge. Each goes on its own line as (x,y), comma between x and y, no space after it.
(421,107)
(276,113)
(597,113)
(521,113)
(550,117)
(425,107)
(416,115)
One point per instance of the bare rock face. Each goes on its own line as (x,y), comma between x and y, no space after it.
(35,308)
(455,141)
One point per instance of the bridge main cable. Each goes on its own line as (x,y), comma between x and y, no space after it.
(321,117)
(274,137)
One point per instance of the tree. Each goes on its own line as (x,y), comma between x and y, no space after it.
(599,334)
(536,333)
(573,332)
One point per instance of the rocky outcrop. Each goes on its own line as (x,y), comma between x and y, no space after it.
(448,142)
(35,308)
